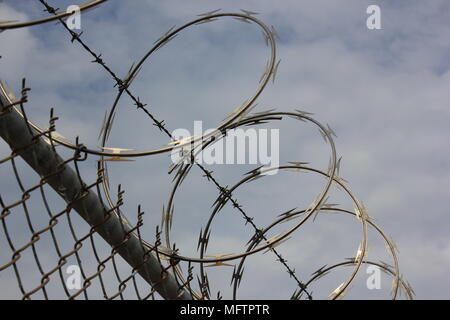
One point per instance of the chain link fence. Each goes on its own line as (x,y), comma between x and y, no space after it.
(56,238)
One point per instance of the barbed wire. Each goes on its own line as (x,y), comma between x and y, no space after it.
(175,283)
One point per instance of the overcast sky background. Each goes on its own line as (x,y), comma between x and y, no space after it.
(385,93)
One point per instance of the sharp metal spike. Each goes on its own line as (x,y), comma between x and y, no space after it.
(318,203)
(298,163)
(209,13)
(207,239)
(286,213)
(263,75)
(266,72)
(338,166)
(109,126)
(319,271)
(274,241)
(330,205)
(172,167)
(116,152)
(324,135)
(254,171)
(304,113)
(249,13)
(220,255)
(185,173)
(331,131)
(232,277)
(237,277)
(167,41)
(103,125)
(242,19)
(165,34)
(274,71)
(289,215)
(274,32)
(129,72)
(203,240)
(200,238)
(271,247)
(219,264)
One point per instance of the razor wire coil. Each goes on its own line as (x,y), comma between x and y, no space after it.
(167,258)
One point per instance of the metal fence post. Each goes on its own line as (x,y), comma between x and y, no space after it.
(44,161)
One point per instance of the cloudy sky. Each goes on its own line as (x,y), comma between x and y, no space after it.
(385,93)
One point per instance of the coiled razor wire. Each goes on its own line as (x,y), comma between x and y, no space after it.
(163,251)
